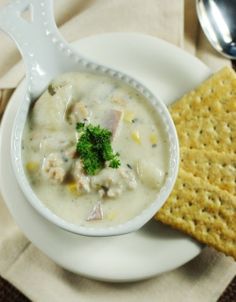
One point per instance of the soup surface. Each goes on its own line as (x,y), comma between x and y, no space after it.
(62,178)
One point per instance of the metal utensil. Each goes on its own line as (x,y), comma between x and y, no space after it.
(218,21)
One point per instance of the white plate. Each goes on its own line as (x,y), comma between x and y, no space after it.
(155,248)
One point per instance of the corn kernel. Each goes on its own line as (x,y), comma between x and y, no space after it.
(128,116)
(136,137)
(111,216)
(153,138)
(72,188)
(32,166)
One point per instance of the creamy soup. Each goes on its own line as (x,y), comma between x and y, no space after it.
(116,191)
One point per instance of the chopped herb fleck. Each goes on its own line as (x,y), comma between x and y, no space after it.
(94,148)
(154,145)
(51,89)
(134,120)
(65,159)
(129,166)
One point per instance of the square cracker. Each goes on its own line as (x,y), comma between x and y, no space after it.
(200,205)
(203,211)
(214,97)
(218,169)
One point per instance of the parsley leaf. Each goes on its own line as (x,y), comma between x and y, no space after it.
(94,148)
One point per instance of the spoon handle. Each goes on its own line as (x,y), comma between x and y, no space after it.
(44,51)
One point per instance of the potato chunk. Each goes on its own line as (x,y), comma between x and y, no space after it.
(150,175)
(49,110)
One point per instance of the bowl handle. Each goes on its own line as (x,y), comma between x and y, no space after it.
(31,24)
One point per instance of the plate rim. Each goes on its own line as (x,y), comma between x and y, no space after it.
(4,122)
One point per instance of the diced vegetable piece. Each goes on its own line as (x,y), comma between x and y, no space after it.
(49,110)
(153,138)
(111,216)
(150,175)
(72,188)
(32,166)
(128,116)
(136,136)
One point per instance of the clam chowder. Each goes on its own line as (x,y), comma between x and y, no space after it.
(95,151)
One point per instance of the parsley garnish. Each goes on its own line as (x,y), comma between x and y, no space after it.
(94,148)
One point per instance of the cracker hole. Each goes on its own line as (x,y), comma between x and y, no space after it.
(220,201)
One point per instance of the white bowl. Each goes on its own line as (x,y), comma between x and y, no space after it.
(129,226)
(40,73)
